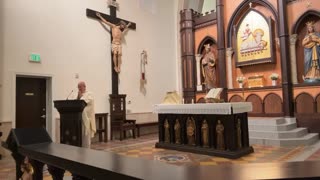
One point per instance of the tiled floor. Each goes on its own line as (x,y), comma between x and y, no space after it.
(143,147)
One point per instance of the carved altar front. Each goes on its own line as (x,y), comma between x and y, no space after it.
(213,129)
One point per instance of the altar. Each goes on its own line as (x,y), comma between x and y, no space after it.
(218,129)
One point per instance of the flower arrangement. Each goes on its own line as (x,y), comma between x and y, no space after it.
(240,79)
(274,76)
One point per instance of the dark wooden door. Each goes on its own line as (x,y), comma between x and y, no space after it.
(30,102)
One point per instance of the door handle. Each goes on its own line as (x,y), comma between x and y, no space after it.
(43,116)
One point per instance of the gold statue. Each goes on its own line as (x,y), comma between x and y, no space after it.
(239,133)
(205,134)
(177,130)
(311,44)
(220,136)
(191,131)
(26,169)
(166,131)
(172,98)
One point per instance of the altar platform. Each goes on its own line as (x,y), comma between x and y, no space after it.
(219,129)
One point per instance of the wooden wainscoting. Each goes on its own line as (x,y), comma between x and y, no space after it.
(309,120)
(273,105)
(304,103)
(307,111)
(257,105)
(318,104)
(236,98)
(266,101)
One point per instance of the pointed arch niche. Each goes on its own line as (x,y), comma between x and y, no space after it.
(253,44)
(248,69)
(201,51)
(300,29)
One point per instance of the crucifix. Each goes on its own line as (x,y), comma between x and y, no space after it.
(113,21)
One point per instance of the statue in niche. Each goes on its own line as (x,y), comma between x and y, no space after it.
(205,134)
(311,44)
(220,136)
(177,131)
(239,133)
(208,65)
(191,131)
(166,131)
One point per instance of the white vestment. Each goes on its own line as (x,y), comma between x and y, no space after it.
(88,119)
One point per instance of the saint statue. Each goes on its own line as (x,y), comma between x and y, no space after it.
(311,44)
(117,31)
(166,131)
(205,134)
(177,131)
(209,67)
(220,136)
(191,131)
(239,133)
(27,170)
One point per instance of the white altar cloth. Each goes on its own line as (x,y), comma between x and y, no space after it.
(210,108)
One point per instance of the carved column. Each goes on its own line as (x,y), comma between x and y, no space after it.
(222,81)
(229,67)
(199,85)
(187,55)
(18,158)
(293,57)
(55,172)
(37,168)
(287,91)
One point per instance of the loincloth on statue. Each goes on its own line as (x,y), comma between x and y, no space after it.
(116,48)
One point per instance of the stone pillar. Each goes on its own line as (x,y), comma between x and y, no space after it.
(187,55)
(199,85)
(293,57)
(229,67)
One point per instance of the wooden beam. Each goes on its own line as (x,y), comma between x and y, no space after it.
(114,20)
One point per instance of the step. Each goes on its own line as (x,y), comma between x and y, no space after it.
(294,133)
(280,127)
(308,139)
(266,121)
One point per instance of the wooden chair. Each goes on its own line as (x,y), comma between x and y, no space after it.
(102,126)
(118,116)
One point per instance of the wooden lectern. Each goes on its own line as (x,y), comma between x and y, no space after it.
(70,121)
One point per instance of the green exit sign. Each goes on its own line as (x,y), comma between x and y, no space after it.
(34,58)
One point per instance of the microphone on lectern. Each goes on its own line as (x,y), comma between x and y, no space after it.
(69,94)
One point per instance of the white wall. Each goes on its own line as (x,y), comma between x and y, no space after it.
(208,5)
(195,5)
(71,43)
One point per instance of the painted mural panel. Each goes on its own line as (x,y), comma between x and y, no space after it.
(253,40)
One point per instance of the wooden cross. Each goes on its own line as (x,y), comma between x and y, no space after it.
(112,18)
